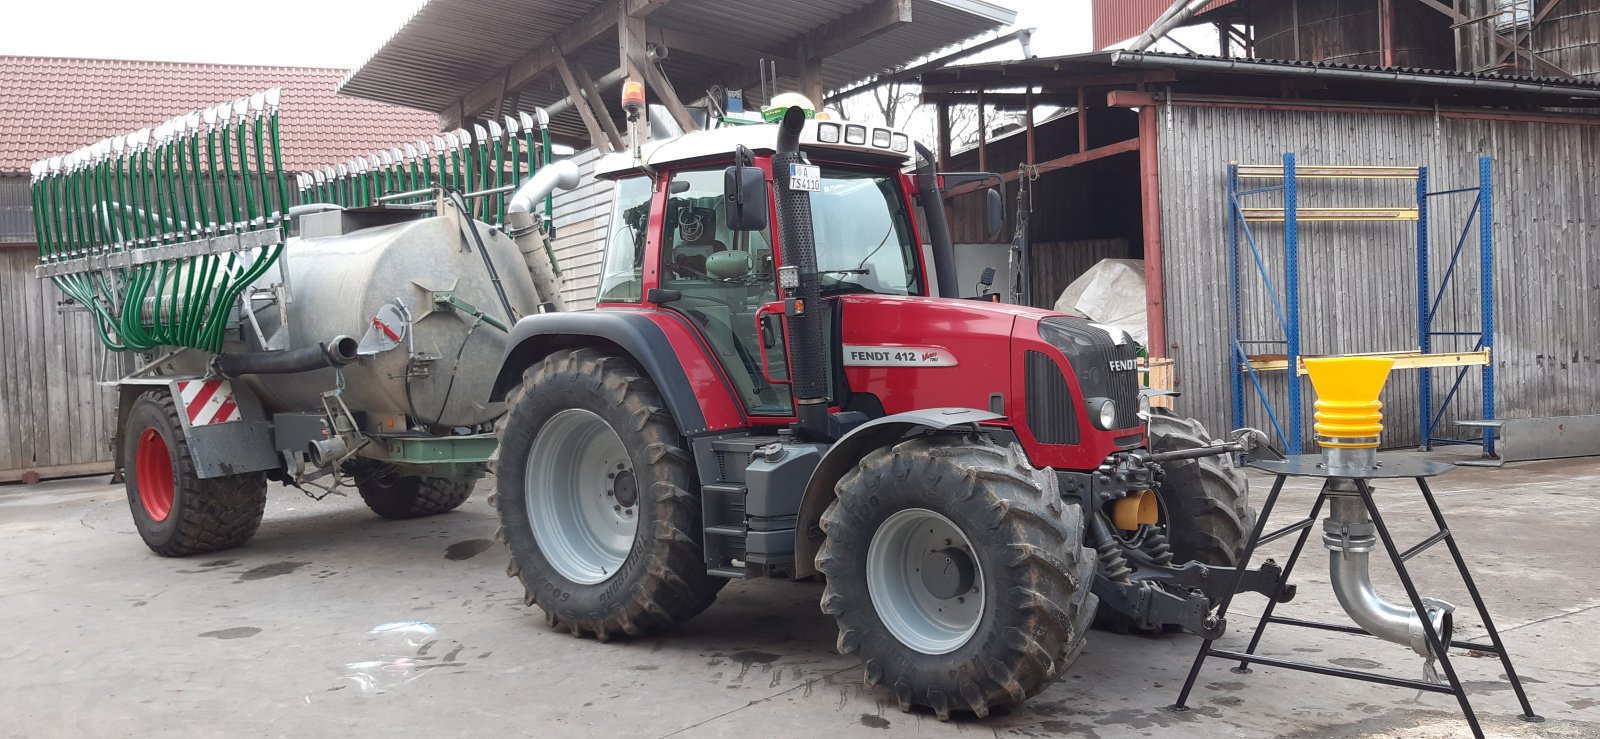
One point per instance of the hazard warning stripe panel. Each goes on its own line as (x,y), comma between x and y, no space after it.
(207,402)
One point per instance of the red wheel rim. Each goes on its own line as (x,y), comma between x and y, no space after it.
(152,469)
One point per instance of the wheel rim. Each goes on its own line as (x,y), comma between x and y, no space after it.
(152,467)
(582,497)
(911,608)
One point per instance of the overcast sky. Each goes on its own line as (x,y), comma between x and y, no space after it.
(316,33)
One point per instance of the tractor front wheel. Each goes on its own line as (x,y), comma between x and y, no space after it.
(1205,501)
(957,572)
(175,511)
(598,501)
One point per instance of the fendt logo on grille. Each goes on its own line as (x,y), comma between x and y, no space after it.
(1124,365)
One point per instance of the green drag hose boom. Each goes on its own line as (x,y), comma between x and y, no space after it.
(157,235)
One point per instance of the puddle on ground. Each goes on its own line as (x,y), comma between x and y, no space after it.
(395,647)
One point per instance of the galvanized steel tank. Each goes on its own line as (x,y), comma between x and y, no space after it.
(348,266)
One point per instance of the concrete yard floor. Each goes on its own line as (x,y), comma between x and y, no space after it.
(282,637)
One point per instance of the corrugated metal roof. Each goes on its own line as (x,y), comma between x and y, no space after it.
(51,106)
(1357,81)
(450,47)
(1244,65)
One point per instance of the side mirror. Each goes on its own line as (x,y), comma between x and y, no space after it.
(996,209)
(744,193)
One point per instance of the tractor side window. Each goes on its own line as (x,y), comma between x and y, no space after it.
(623,277)
(725,278)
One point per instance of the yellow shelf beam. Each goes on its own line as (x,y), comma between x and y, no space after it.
(1260,215)
(1275,171)
(1413,359)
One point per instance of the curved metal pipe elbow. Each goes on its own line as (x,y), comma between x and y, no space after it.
(1352,585)
(562,174)
(1348,534)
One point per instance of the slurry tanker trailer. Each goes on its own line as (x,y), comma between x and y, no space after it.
(319,329)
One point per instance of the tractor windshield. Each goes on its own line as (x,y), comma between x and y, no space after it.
(863,233)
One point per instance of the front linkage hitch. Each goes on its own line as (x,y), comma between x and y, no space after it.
(1154,594)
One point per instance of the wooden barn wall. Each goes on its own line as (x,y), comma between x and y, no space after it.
(54,416)
(1358,279)
(581,215)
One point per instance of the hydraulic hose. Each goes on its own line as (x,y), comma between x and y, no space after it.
(808,354)
(336,353)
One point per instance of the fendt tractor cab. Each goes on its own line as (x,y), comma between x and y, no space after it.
(777,383)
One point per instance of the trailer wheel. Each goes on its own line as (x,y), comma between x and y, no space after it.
(957,572)
(598,499)
(395,496)
(1205,501)
(177,513)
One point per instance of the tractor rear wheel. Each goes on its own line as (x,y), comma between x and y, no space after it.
(598,499)
(957,572)
(175,511)
(396,496)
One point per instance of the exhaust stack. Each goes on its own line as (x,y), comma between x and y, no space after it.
(809,370)
(1349,421)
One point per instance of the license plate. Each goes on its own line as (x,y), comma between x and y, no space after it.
(805,177)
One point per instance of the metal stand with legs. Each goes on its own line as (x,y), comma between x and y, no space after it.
(1419,471)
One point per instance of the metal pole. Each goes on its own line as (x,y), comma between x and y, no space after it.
(1424,326)
(1486,286)
(1291,289)
(1235,318)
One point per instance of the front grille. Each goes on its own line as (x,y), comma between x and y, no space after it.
(1092,351)
(1051,410)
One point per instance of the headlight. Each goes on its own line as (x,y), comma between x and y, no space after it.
(1104,412)
(855,135)
(828,133)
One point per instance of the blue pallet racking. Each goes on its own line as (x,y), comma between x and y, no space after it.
(1287,422)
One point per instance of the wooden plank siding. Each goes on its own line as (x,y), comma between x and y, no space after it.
(581,217)
(54,416)
(1358,280)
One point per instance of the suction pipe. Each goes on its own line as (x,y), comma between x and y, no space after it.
(520,213)
(1349,421)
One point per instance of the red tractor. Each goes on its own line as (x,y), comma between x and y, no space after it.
(772,386)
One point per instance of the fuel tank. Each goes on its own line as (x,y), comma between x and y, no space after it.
(346,272)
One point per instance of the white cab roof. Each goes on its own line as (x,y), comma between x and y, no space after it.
(720,142)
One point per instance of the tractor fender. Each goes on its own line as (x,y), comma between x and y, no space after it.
(218,446)
(847,451)
(631,333)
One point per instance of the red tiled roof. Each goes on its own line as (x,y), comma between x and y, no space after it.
(51,106)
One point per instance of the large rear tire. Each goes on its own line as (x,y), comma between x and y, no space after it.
(395,496)
(957,572)
(598,499)
(176,512)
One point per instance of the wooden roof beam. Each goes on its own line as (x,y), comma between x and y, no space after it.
(541,60)
(676,40)
(851,30)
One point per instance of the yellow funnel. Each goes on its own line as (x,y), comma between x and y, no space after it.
(1349,415)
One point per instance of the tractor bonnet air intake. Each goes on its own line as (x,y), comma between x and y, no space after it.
(1349,420)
